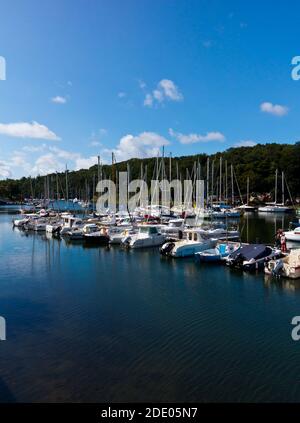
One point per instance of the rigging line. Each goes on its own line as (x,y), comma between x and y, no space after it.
(238,187)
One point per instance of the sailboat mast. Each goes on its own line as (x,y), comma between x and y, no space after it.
(232,185)
(67,188)
(226,182)
(282,185)
(220,192)
(247,190)
(276,183)
(212,181)
(207,182)
(98,168)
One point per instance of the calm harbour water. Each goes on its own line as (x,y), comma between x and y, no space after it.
(98,325)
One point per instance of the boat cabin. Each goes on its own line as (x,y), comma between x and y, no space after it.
(193,235)
(148,230)
(70,221)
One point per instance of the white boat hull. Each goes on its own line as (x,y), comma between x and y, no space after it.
(188,249)
(154,241)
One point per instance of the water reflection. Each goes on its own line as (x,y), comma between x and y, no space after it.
(106,324)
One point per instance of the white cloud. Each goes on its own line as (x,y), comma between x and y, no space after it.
(55,161)
(64,154)
(170,90)
(165,90)
(28,130)
(59,99)
(274,109)
(85,163)
(194,138)
(34,148)
(245,143)
(95,143)
(95,138)
(148,100)
(146,144)
(47,163)
(27,161)
(122,94)
(142,84)
(5,171)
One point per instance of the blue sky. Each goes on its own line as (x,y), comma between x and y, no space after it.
(91,77)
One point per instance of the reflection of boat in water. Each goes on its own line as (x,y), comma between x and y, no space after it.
(286,267)
(252,257)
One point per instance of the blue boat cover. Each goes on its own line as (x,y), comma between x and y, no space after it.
(254,251)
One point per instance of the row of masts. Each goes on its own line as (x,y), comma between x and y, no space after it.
(220,183)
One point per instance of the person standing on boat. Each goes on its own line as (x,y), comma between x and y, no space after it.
(278,239)
(283,242)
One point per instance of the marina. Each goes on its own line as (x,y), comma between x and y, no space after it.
(134,323)
(149,209)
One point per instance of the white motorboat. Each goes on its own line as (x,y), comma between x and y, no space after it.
(40,226)
(117,234)
(54,226)
(275,208)
(247,208)
(147,236)
(36,224)
(286,267)
(293,235)
(77,233)
(174,229)
(225,213)
(219,253)
(219,233)
(19,223)
(192,244)
(70,222)
(252,257)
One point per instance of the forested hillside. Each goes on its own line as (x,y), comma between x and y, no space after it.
(259,163)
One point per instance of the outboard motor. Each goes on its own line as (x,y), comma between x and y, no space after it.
(238,261)
(57,230)
(166,248)
(277,268)
(126,241)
